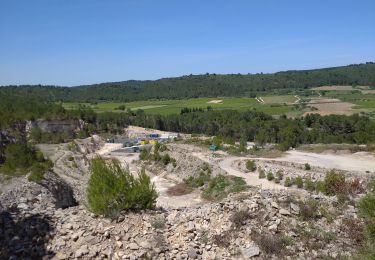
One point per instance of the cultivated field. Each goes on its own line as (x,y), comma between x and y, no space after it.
(339,100)
(274,105)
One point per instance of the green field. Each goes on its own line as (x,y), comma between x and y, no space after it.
(288,99)
(275,106)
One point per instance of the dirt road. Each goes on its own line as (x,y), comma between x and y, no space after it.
(358,162)
(251,179)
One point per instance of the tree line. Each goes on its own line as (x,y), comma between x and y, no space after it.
(207,85)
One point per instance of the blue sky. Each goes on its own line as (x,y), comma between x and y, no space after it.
(72,42)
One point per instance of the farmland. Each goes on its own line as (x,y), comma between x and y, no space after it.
(274,105)
(344,102)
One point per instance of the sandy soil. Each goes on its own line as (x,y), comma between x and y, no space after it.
(226,164)
(148,107)
(371,91)
(136,131)
(250,178)
(215,101)
(329,106)
(357,162)
(347,88)
(109,147)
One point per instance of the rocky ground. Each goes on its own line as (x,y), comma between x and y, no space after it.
(51,220)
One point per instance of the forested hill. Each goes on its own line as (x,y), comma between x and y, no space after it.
(208,85)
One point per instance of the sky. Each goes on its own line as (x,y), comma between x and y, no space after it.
(74,42)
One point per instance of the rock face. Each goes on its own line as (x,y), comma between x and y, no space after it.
(56,126)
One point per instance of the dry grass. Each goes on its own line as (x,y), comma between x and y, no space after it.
(271,244)
(179,190)
(331,88)
(330,106)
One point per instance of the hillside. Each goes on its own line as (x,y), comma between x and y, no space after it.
(208,85)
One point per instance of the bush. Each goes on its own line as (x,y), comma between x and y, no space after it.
(309,209)
(298,181)
(250,165)
(320,186)
(112,189)
(220,186)
(309,184)
(144,155)
(307,167)
(271,244)
(200,180)
(166,159)
(334,183)
(158,222)
(21,159)
(288,182)
(270,176)
(239,217)
(38,169)
(279,175)
(262,174)
(223,240)
(162,148)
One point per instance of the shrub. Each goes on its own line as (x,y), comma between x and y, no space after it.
(334,183)
(262,174)
(239,217)
(162,148)
(320,186)
(112,189)
(279,175)
(200,180)
(158,222)
(309,209)
(367,210)
(298,181)
(38,169)
(354,229)
(144,155)
(307,167)
(367,205)
(270,176)
(271,244)
(223,240)
(288,182)
(220,186)
(21,159)
(250,165)
(166,159)
(309,184)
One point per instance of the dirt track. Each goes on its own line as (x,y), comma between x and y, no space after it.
(359,162)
